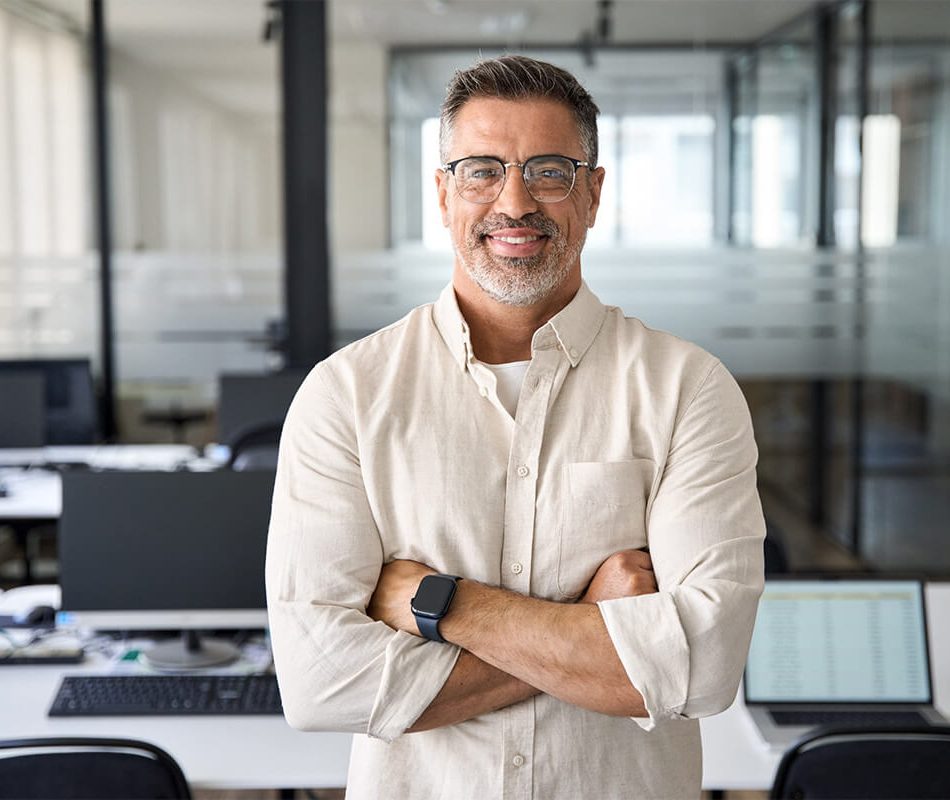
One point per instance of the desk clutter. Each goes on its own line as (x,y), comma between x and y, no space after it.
(125,682)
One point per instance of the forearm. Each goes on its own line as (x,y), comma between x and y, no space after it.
(473,688)
(562,649)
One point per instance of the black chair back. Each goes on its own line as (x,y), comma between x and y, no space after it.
(82,768)
(22,410)
(911,763)
(255,447)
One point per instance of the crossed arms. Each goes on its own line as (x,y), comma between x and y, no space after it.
(515,646)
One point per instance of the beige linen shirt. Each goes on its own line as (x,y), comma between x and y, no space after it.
(397,447)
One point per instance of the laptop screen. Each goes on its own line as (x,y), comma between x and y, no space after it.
(840,641)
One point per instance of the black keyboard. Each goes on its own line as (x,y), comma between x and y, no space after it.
(861,718)
(153,695)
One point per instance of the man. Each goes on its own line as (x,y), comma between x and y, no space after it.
(456,565)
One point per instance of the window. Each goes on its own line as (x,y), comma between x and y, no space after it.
(657,132)
(42,127)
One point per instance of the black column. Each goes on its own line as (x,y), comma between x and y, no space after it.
(307,267)
(821,401)
(103,215)
(730,85)
(857,386)
(827,77)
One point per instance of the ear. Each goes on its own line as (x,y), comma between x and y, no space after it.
(596,183)
(442,189)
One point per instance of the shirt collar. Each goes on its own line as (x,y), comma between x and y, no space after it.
(573,329)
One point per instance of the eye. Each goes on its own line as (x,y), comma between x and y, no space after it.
(484,173)
(553,170)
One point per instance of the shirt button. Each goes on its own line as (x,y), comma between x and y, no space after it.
(516,568)
(518,761)
(573,353)
(483,391)
(523,471)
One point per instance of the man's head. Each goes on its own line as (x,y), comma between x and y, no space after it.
(523,245)
(520,78)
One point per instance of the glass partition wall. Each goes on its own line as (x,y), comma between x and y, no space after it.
(840,161)
(197,219)
(905,212)
(782,202)
(47,259)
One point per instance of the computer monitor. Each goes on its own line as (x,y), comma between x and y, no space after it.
(166,551)
(70,399)
(248,399)
(22,410)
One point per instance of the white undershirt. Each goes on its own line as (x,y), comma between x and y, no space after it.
(509,378)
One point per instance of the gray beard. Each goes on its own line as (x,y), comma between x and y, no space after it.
(517,281)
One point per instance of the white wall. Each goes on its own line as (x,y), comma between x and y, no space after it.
(358,144)
(189,174)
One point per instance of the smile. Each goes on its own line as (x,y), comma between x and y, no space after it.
(516,239)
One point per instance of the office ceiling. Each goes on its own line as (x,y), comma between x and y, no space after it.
(216,45)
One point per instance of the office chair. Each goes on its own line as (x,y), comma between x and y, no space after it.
(911,763)
(82,768)
(255,447)
(776,561)
(22,409)
(251,399)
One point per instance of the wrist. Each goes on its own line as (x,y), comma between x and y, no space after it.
(456,623)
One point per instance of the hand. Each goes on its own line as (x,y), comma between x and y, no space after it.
(395,589)
(624,574)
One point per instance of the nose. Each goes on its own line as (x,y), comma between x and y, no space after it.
(514,200)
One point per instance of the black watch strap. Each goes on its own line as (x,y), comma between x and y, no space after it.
(429,628)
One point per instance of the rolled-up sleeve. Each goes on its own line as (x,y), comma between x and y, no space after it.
(684,647)
(337,669)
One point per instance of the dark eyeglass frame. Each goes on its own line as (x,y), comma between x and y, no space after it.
(575,163)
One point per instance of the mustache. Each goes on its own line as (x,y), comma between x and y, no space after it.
(497,222)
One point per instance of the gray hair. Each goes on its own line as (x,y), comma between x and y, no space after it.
(520,78)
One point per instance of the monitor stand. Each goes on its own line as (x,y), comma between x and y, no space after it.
(190,652)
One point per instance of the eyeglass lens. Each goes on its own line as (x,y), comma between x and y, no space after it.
(548,179)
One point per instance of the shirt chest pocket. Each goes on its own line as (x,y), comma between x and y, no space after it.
(604,511)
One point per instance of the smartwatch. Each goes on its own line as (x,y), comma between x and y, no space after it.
(432,602)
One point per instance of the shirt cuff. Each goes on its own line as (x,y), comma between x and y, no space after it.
(649,639)
(414,672)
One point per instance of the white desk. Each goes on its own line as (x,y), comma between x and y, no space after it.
(36,494)
(260,752)
(264,752)
(102,456)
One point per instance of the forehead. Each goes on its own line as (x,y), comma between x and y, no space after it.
(514,129)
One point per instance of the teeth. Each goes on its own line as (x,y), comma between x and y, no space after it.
(516,239)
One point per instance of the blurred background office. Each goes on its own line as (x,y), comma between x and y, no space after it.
(194,188)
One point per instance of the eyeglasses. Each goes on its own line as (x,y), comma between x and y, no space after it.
(548,179)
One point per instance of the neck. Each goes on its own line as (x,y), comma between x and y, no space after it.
(501,333)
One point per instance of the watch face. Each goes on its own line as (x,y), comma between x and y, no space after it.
(433,596)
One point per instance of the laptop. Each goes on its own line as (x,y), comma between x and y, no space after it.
(838,650)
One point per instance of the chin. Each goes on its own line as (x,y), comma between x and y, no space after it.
(519,290)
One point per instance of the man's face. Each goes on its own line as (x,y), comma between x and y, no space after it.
(516,249)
